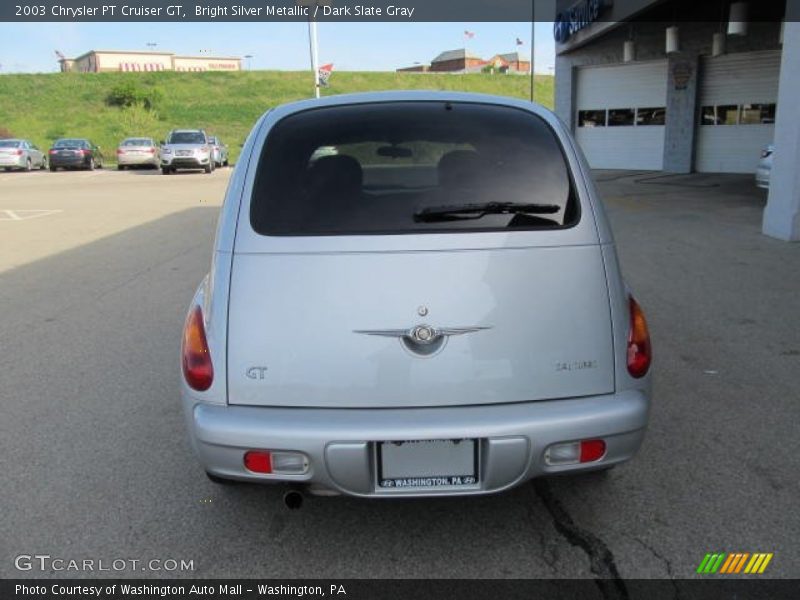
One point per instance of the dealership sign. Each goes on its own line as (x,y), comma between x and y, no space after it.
(576,17)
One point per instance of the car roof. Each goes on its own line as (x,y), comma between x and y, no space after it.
(409,96)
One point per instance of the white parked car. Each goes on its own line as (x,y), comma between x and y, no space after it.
(434,308)
(764,169)
(21,154)
(138,152)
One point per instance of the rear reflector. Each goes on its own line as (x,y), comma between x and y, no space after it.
(258,461)
(640,353)
(197,368)
(289,462)
(264,461)
(572,453)
(592,450)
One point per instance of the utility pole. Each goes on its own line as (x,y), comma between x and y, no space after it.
(313,49)
(533,46)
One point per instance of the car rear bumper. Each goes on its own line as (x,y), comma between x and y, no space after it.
(60,161)
(13,161)
(133,159)
(340,444)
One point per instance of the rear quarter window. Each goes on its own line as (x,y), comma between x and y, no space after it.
(411,167)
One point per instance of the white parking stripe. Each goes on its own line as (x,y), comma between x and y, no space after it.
(24,214)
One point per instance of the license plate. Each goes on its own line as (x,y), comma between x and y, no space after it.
(184,153)
(427,464)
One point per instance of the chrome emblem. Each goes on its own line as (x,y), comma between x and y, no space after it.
(422,311)
(423,339)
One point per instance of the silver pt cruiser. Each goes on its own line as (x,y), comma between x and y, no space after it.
(413,294)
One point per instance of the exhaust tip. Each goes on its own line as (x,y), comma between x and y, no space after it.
(293,499)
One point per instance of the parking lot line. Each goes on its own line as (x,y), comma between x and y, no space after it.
(25,214)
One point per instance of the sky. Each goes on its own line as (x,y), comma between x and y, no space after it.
(30,47)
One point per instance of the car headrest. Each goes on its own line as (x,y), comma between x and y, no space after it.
(458,168)
(338,175)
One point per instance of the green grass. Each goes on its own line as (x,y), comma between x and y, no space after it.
(43,107)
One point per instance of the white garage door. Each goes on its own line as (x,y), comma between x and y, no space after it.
(621,115)
(737,110)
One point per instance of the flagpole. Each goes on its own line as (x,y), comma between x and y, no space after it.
(533,45)
(312,35)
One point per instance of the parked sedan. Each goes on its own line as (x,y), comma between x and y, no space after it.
(434,309)
(138,152)
(75,153)
(764,169)
(21,154)
(220,151)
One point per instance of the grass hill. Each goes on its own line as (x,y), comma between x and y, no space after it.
(43,107)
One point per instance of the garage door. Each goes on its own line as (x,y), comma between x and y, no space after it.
(621,115)
(737,110)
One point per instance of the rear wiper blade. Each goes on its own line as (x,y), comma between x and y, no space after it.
(456,212)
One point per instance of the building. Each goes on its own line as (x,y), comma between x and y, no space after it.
(96,61)
(464,61)
(457,60)
(685,87)
(513,62)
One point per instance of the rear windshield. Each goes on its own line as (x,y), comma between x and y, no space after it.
(138,142)
(187,137)
(9,143)
(411,167)
(70,144)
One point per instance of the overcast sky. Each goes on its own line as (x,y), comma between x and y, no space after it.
(30,47)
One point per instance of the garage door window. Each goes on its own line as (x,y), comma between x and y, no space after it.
(621,116)
(758,114)
(592,118)
(651,116)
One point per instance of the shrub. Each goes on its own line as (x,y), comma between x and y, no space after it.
(5,133)
(130,93)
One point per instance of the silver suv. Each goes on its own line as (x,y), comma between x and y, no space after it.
(413,294)
(186,149)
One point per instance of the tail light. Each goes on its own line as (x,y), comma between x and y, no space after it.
(53,151)
(151,150)
(120,151)
(18,152)
(197,368)
(639,351)
(86,152)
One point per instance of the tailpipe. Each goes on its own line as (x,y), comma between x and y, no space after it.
(293,499)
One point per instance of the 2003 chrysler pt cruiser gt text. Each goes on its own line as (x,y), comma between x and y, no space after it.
(413,294)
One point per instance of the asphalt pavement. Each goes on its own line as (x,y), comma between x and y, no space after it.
(96,272)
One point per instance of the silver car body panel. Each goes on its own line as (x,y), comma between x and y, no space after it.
(129,155)
(557,376)
(9,159)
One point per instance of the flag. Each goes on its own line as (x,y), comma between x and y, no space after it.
(469,34)
(324,74)
(519,42)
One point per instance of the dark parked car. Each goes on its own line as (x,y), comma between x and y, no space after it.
(75,153)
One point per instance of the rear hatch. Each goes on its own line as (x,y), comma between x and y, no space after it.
(416,254)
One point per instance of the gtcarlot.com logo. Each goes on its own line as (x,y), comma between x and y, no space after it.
(734,563)
(46,562)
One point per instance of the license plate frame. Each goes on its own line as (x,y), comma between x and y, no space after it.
(396,461)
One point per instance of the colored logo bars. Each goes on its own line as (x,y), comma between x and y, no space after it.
(734,563)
